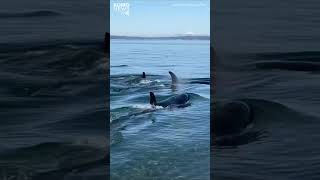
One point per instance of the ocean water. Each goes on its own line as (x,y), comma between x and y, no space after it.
(159,143)
(268,57)
(46,21)
(52,94)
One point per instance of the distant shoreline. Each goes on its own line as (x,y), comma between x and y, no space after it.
(161,38)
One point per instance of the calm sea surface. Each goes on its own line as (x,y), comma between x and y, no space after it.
(161,143)
(268,57)
(52,94)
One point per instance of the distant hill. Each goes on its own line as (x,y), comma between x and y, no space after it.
(189,37)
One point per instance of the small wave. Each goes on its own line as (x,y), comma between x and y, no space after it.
(123,65)
(70,44)
(145,81)
(58,158)
(151,82)
(200,81)
(136,81)
(121,114)
(288,65)
(116,76)
(30,14)
(169,66)
(141,106)
(54,70)
(291,61)
(239,139)
(194,96)
(312,56)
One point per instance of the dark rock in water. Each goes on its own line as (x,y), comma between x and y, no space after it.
(231,118)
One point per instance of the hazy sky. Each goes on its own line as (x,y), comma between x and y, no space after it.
(160,17)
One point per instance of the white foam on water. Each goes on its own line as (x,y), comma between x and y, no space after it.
(146,106)
(142,106)
(145,81)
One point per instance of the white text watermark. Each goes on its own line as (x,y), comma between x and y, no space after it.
(122,8)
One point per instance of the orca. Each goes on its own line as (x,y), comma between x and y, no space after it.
(177,100)
(231,118)
(174,78)
(192,81)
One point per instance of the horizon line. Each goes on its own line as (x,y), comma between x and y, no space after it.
(157,36)
(177,37)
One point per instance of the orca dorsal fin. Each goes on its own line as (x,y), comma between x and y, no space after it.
(143,75)
(153,100)
(173,77)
